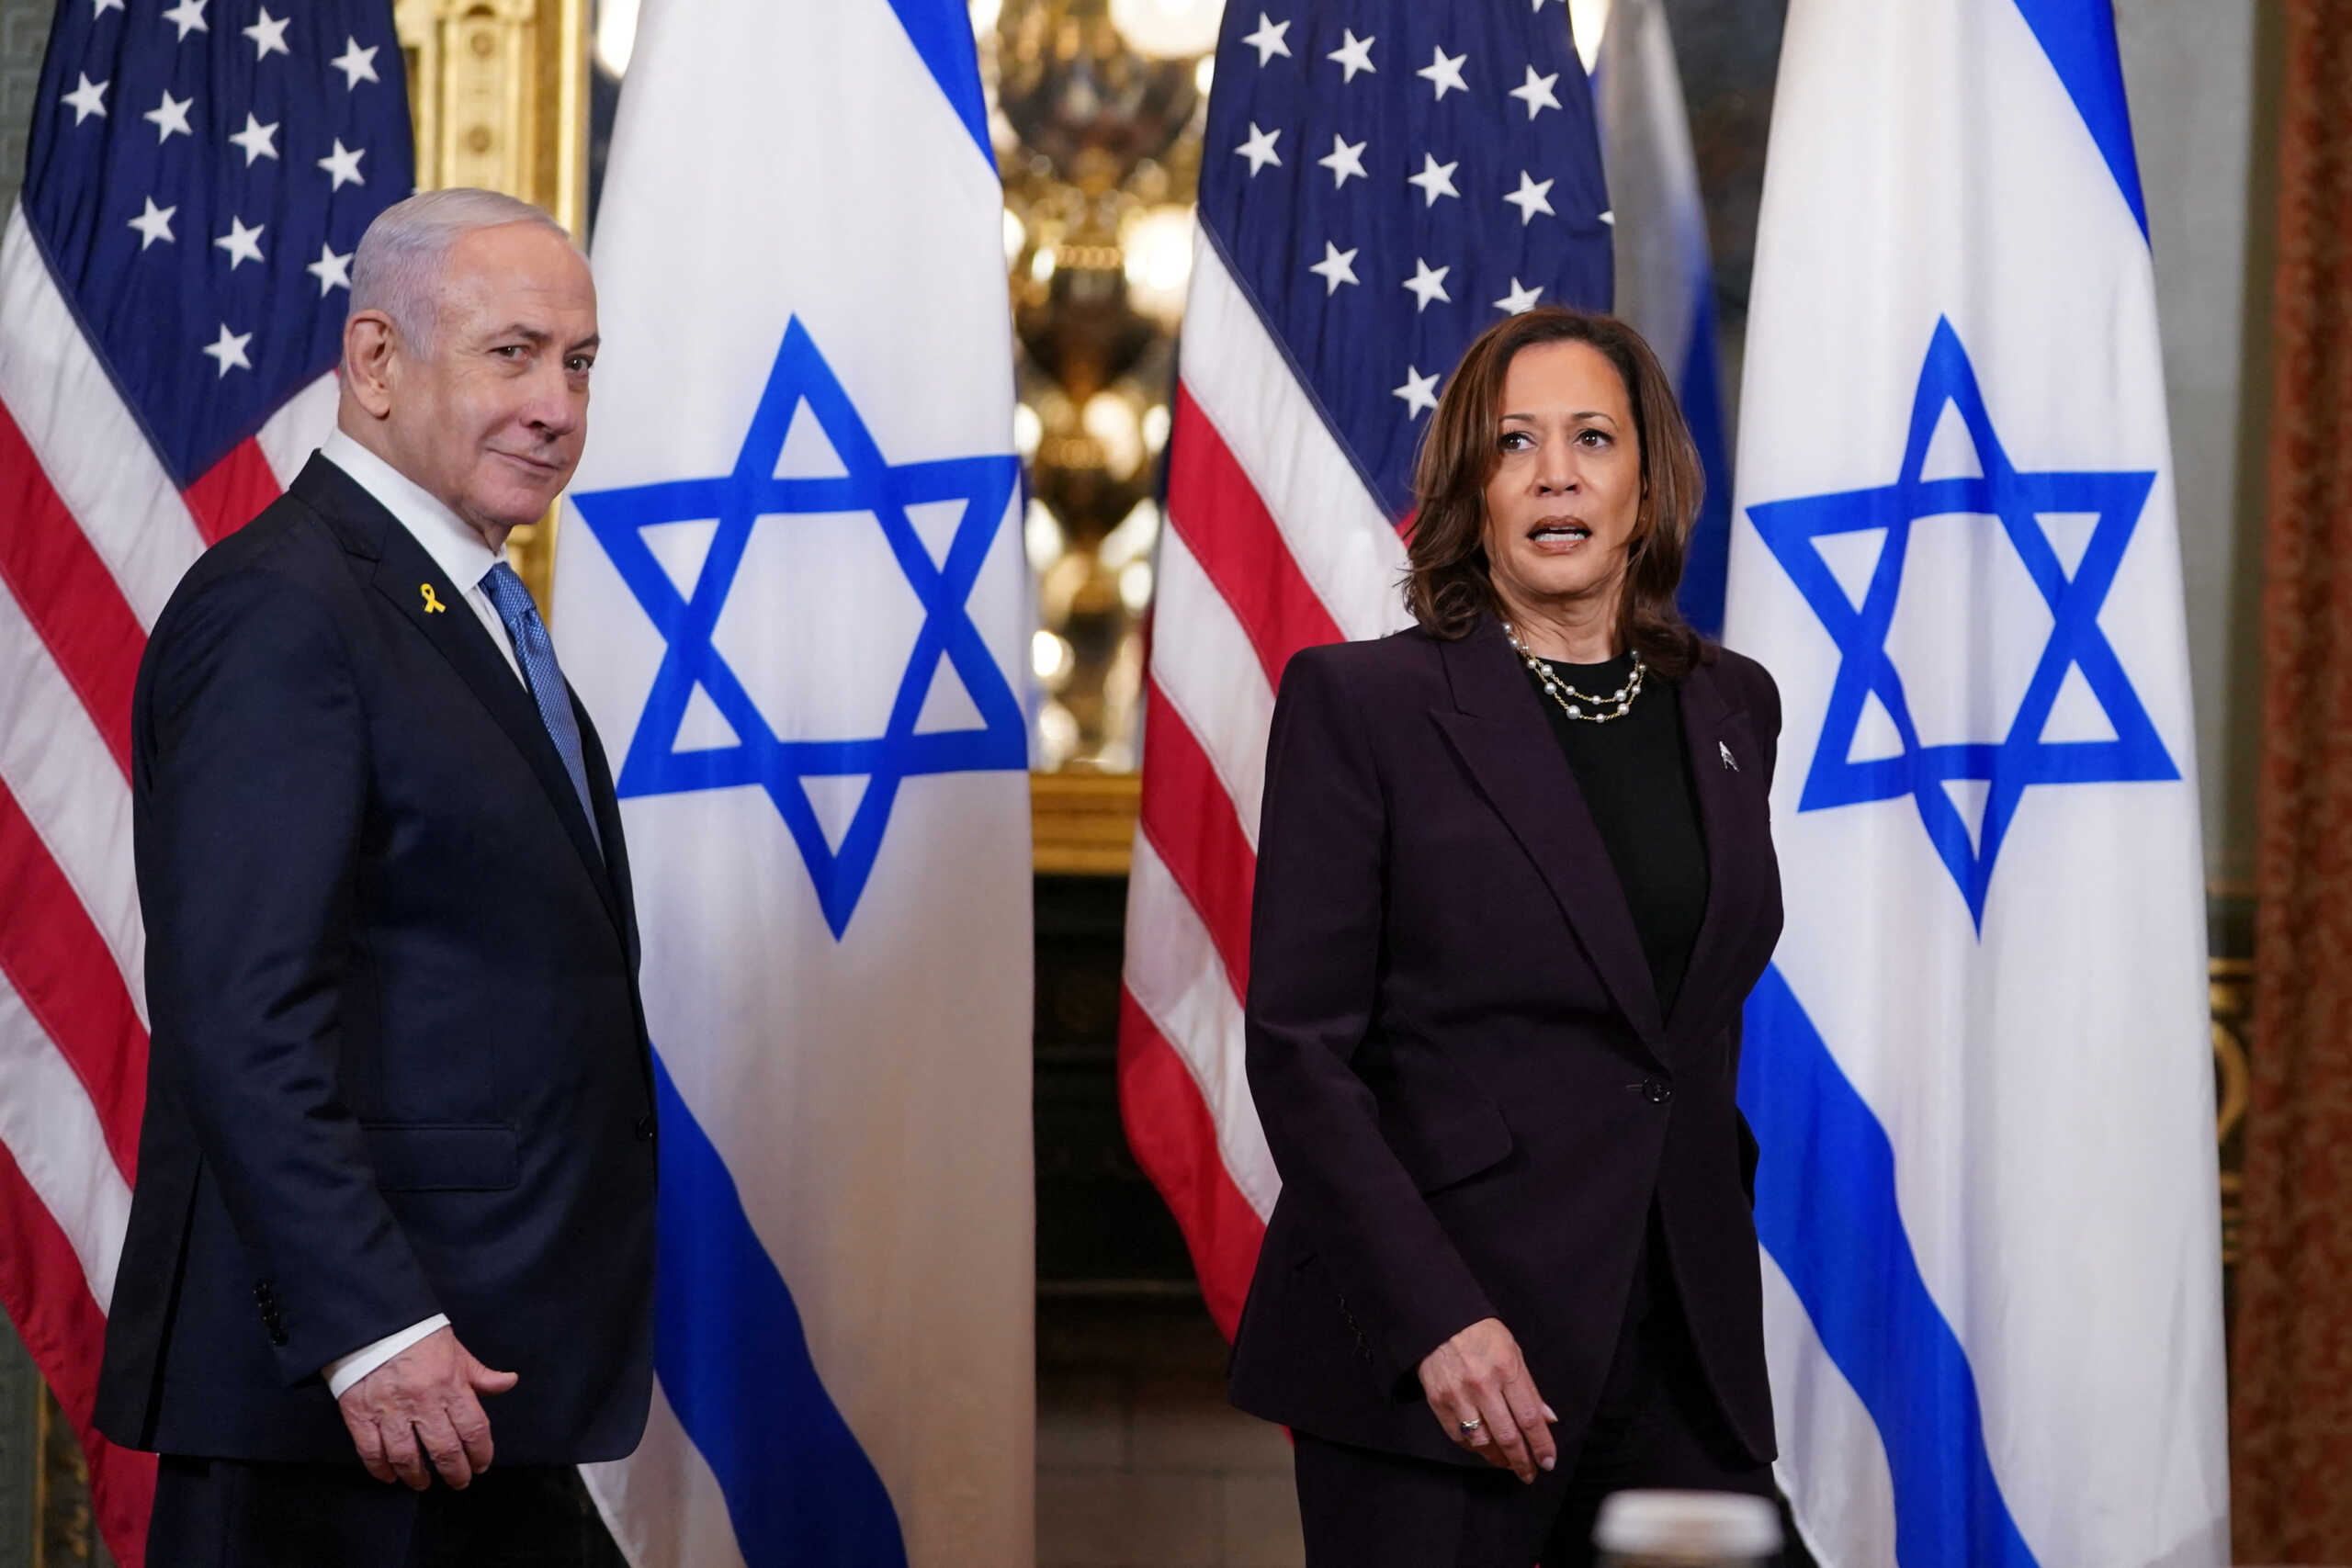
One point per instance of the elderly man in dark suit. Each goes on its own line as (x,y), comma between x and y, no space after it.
(395,1199)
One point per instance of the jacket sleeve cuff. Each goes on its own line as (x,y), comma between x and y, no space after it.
(1435,1316)
(346,1370)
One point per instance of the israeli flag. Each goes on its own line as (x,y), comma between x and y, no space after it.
(1979,1065)
(1665,282)
(790,592)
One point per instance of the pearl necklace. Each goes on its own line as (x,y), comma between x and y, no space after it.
(1582,705)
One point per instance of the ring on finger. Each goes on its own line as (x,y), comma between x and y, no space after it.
(1468,1428)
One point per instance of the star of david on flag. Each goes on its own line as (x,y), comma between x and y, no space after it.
(2025,505)
(661,761)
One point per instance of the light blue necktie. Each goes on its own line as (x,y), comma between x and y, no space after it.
(535,651)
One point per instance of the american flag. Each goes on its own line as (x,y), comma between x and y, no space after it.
(172,284)
(1382,180)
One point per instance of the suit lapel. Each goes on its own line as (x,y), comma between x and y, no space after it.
(1503,738)
(403,575)
(1706,732)
(608,825)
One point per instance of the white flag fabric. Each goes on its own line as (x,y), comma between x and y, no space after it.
(1979,1066)
(790,592)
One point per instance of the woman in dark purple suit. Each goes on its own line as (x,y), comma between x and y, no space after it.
(1515,879)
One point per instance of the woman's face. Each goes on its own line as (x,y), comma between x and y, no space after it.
(1567,488)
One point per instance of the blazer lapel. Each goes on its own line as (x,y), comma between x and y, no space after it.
(1720,748)
(406,576)
(608,825)
(1503,738)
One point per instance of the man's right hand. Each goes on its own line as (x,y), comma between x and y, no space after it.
(418,1413)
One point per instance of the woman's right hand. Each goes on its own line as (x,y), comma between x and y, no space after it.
(1480,1392)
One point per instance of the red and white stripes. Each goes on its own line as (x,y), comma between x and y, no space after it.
(93,535)
(1273,544)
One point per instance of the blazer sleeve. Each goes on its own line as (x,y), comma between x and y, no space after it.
(1315,942)
(255,768)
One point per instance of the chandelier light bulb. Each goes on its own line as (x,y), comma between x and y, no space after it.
(1168,29)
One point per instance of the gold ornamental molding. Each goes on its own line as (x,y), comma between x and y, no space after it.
(498,90)
(1082,824)
(498,96)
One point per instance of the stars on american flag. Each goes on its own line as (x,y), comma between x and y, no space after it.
(1449,78)
(1445,71)
(1426,284)
(1259,148)
(1418,391)
(1353,54)
(170,117)
(242,245)
(256,141)
(154,224)
(1435,179)
(228,351)
(1536,93)
(1344,160)
(1533,195)
(255,134)
(1460,109)
(356,64)
(188,17)
(268,35)
(1268,40)
(1520,299)
(1337,266)
(333,271)
(87,98)
(342,166)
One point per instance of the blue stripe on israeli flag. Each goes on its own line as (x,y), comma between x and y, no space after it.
(940,31)
(1825,1196)
(735,1366)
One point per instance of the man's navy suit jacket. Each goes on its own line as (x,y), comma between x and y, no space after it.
(1457,1050)
(399,1062)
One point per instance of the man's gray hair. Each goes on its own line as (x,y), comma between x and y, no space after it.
(398,267)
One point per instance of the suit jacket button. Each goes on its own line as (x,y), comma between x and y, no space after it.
(1659,1091)
(645,1129)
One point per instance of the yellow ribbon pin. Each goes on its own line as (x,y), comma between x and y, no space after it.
(432,600)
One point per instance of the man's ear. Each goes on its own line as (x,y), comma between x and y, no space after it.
(370,342)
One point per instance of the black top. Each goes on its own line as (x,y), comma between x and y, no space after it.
(1635,776)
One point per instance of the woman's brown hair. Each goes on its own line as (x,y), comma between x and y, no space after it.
(1447,581)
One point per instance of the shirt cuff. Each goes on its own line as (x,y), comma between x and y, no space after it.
(344,1370)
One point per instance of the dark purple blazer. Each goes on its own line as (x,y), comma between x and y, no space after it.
(1455,1048)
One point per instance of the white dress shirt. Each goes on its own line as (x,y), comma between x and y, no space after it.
(465,559)
(450,539)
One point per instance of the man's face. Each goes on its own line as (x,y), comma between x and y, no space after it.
(490,416)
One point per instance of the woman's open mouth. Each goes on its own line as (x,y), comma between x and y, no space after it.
(1559,533)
